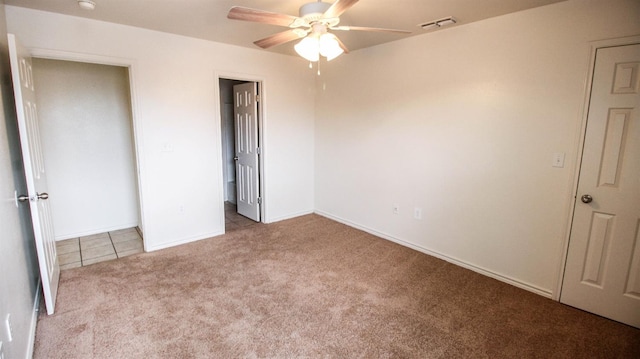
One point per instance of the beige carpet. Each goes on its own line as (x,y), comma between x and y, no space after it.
(310,288)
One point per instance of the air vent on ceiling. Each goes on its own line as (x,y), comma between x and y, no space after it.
(432,25)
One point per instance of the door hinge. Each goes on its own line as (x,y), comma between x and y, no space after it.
(257,98)
(259,200)
(258,151)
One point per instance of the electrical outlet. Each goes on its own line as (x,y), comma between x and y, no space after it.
(166,147)
(417,213)
(7,323)
(396,208)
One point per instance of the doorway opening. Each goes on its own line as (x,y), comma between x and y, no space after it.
(240,114)
(88,141)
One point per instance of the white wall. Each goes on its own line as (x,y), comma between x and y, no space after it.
(463,123)
(18,264)
(176,106)
(87,139)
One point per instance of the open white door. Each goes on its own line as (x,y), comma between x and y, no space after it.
(247,150)
(602,273)
(25,95)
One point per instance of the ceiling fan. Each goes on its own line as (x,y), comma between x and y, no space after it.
(313,25)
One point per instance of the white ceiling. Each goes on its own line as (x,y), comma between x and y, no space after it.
(206,19)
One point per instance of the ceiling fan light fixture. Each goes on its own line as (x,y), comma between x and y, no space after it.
(311,27)
(314,46)
(329,46)
(87,4)
(309,48)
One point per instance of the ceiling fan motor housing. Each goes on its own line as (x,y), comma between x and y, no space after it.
(313,11)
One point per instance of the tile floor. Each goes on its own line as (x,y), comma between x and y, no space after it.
(233,220)
(83,251)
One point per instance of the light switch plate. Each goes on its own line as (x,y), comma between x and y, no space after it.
(417,213)
(558,160)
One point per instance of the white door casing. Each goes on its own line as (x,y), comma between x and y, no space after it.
(25,98)
(229,150)
(247,150)
(602,271)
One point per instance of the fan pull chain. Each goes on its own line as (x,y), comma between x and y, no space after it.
(310,64)
(318,67)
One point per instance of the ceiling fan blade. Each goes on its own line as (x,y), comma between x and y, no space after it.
(261,16)
(344,48)
(338,7)
(280,38)
(363,28)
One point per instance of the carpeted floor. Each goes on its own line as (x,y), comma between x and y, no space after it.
(310,288)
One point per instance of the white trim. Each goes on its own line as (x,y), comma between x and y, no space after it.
(183,241)
(34,321)
(489,273)
(96,231)
(289,216)
(262,129)
(593,48)
(80,57)
(131,65)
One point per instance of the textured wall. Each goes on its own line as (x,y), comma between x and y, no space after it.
(87,140)
(176,118)
(463,124)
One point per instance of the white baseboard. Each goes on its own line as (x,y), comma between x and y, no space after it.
(34,322)
(180,241)
(213,234)
(62,237)
(288,216)
(489,273)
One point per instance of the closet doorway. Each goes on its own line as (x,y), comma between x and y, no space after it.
(86,125)
(240,111)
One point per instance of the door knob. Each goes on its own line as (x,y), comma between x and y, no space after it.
(235,158)
(586,198)
(43,195)
(23,198)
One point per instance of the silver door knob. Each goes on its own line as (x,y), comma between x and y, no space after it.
(586,198)
(43,195)
(235,158)
(23,198)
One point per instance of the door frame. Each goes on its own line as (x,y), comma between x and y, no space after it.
(261,84)
(593,48)
(137,129)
